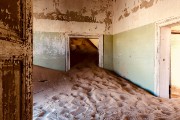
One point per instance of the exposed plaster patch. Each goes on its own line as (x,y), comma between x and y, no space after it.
(108,20)
(135,9)
(146,4)
(68,16)
(80,11)
(94,13)
(120,18)
(126,13)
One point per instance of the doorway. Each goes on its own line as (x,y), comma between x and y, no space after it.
(167,64)
(175,62)
(84,49)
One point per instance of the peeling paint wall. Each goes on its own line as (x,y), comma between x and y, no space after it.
(49,50)
(129,14)
(63,17)
(133,50)
(77,16)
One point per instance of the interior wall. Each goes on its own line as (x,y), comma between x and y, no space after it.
(133,55)
(67,17)
(108,52)
(134,37)
(75,16)
(49,50)
(129,14)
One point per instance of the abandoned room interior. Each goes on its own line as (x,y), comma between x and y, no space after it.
(89,60)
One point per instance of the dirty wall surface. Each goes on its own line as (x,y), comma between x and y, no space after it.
(54,20)
(49,50)
(77,16)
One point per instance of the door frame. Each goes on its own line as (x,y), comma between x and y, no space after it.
(162,61)
(100,47)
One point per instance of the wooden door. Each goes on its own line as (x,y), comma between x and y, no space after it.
(15,59)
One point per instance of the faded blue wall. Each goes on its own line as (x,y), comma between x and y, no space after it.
(133,55)
(49,50)
(108,52)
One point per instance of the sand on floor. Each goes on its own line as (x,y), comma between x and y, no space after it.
(88,92)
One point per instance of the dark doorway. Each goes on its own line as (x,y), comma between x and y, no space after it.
(83,50)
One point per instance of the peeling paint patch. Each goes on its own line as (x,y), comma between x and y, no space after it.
(136,7)
(120,18)
(82,11)
(146,4)
(126,13)
(108,20)
(68,16)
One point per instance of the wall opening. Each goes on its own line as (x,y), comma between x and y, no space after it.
(83,50)
(168,62)
(175,62)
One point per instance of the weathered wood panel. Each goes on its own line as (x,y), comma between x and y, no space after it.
(11,20)
(15,59)
(11,89)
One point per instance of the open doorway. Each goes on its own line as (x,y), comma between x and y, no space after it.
(175,62)
(83,50)
(167,62)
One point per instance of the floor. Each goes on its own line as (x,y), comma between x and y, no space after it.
(88,92)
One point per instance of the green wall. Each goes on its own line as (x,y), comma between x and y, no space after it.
(49,50)
(108,52)
(133,55)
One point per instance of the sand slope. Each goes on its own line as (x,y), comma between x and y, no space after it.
(88,92)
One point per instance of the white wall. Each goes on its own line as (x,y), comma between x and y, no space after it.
(129,14)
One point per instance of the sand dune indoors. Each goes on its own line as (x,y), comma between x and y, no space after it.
(87,92)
